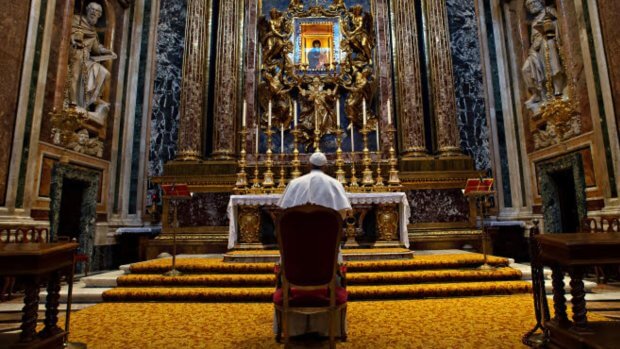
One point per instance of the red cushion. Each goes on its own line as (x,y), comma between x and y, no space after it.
(317,298)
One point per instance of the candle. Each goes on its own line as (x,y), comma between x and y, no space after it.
(389,112)
(338,113)
(352,140)
(256,139)
(245,110)
(269,119)
(295,113)
(364,111)
(378,136)
(316,119)
(282,139)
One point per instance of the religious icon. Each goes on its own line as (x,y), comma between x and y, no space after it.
(317,57)
(316,44)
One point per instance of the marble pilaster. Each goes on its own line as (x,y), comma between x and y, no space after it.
(442,79)
(384,71)
(468,78)
(227,76)
(14,24)
(167,84)
(408,81)
(193,87)
(250,68)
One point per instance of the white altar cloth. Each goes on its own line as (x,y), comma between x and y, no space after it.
(404,212)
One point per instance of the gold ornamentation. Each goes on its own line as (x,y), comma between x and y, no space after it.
(241,185)
(387,222)
(249,224)
(70,130)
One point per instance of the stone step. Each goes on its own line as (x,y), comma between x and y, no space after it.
(107,279)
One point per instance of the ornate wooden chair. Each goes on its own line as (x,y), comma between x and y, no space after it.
(308,239)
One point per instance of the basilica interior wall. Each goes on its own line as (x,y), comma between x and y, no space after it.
(13,34)
(559,113)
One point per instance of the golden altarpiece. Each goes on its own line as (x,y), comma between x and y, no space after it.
(317,76)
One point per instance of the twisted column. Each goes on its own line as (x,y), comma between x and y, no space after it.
(227,74)
(410,113)
(193,82)
(442,79)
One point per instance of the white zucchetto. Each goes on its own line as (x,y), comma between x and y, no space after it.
(318,159)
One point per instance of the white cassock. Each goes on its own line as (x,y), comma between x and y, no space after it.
(320,189)
(315,188)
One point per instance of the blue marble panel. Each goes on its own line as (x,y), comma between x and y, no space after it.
(470,94)
(167,85)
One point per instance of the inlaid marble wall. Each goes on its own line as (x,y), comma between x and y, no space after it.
(204,210)
(470,101)
(14,24)
(167,85)
(438,206)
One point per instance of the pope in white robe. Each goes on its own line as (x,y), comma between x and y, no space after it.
(320,189)
(316,188)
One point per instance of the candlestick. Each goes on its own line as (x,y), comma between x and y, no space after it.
(377,134)
(242,181)
(282,139)
(282,179)
(340,174)
(338,113)
(245,110)
(268,175)
(296,172)
(393,180)
(295,113)
(317,132)
(389,109)
(367,180)
(364,112)
(379,185)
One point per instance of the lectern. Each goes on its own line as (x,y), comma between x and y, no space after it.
(480,189)
(175,193)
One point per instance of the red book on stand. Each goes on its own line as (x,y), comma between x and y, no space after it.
(478,186)
(176,191)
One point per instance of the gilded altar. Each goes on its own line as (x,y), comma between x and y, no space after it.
(378,219)
(322,76)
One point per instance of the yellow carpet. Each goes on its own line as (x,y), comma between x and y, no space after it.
(482,322)
(216,265)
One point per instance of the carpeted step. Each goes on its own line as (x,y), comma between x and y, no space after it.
(263,294)
(353,278)
(214,266)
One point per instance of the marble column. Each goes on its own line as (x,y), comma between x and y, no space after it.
(408,81)
(442,79)
(384,67)
(193,87)
(227,74)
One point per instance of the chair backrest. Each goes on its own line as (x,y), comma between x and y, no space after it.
(308,238)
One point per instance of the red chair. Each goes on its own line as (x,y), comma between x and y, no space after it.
(309,239)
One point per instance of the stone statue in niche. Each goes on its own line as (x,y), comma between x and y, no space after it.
(88,77)
(543,71)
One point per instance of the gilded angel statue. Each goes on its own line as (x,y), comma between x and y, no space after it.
(359,35)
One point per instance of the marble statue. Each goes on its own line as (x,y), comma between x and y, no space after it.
(88,77)
(83,143)
(543,71)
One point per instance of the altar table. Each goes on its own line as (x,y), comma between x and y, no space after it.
(393,214)
(37,263)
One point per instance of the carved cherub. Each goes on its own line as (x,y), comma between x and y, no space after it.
(274,34)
